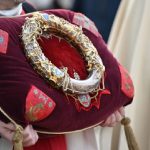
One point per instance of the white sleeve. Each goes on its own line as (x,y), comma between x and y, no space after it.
(5,145)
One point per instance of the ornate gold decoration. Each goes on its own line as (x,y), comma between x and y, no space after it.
(47,25)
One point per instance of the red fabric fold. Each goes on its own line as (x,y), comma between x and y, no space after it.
(52,143)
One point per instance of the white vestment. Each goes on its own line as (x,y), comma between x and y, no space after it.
(130,44)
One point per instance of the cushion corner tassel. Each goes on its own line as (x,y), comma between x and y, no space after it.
(18,134)
(130,137)
(18,138)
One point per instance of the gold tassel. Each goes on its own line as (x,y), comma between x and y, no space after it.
(18,138)
(131,140)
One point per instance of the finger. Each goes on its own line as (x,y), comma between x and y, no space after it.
(31,140)
(6,130)
(36,137)
(7,125)
(28,142)
(106,122)
(122,111)
(118,116)
(7,134)
(26,131)
(34,134)
(30,136)
(1,123)
(10,126)
(117,119)
(30,131)
(112,121)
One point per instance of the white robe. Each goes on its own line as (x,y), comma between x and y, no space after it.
(85,140)
(130,43)
(93,139)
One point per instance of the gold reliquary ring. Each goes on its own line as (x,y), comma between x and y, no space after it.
(42,24)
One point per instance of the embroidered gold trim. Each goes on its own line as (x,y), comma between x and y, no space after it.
(45,132)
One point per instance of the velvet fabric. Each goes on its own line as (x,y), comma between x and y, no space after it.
(17,76)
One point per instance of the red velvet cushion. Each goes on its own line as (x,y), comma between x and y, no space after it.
(21,88)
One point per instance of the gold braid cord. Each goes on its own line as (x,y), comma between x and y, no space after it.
(47,25)
(18,134)
(18,138)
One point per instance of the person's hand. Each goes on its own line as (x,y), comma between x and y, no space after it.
(30,136)
(114,118)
